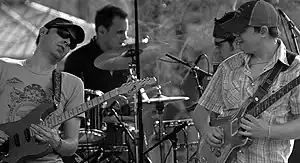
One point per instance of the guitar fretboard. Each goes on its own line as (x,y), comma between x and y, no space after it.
(262,106)
(55,120)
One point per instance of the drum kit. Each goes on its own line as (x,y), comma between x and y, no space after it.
(116,142)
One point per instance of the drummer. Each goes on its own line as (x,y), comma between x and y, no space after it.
(111,31)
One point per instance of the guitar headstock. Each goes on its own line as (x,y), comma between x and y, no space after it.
(133,87)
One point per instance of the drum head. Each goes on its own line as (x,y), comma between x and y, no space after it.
(90,136)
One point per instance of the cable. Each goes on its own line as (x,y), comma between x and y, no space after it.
(167,61)
(207,61)
(186,143)
(170,149)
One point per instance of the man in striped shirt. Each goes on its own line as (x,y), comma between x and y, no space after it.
(238,77)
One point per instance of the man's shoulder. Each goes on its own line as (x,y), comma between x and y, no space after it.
(234,61)
(69,76)
(11,62)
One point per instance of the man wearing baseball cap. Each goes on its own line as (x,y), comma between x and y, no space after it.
(26,84)
(255,25)
(225,44)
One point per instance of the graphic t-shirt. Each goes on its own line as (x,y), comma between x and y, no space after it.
(22,90)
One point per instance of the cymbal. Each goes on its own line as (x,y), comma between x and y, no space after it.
(163,98)
(121,58)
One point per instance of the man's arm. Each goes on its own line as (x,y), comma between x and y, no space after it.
(201,118)
(290,130)
(69,143)
(75,97)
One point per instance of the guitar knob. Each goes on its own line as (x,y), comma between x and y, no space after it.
(218,152)
(212,149)
(203,160)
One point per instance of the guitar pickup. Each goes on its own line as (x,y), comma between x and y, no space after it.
(17,140)
(27,135)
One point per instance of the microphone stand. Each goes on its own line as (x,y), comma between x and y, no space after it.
(138,99)
(194,69)
(199,87)
(292,28)
(172,137)
(122,124)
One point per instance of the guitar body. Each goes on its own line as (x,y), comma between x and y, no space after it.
(230,126)
(231,142)
(22,146)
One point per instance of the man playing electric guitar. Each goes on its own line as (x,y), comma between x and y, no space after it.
(26,84)
(272,131)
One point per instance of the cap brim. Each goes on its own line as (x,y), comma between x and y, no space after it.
(235,25)
(79,32)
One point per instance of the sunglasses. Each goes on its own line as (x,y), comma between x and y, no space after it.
(219,43)
(228,39)
(65,34)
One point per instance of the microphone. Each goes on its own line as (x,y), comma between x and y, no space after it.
(108,111)
(197,59)
(188,65)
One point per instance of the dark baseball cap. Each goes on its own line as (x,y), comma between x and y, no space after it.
(76,31)
(219,31)
(255,13)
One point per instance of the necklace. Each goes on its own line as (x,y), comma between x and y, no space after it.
(258,63)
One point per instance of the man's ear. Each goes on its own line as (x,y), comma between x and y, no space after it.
(264,31)
(101,30)
(43,31)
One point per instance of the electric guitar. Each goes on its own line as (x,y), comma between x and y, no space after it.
(22,145)
(230,126)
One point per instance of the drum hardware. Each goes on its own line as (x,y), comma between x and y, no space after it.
(124,147)
(159,102)
(188,138)
(173,138)
(92,119)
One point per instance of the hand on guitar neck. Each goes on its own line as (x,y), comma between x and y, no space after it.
(3,143)
(3,137)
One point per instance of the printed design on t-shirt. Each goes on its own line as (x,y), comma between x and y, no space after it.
(23,98)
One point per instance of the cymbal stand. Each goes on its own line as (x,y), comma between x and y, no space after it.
(160,107)
(123,127)
(133,77)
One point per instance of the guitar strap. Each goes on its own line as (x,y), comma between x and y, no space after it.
(56,84)
(262,90)
(56,89)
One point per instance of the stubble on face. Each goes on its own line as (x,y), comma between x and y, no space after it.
(117,33)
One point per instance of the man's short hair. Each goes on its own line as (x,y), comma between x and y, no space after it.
(105,15)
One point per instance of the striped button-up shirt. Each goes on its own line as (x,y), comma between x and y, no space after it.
(233,83)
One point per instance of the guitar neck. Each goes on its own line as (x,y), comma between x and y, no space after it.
(262,106)
(56,120)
